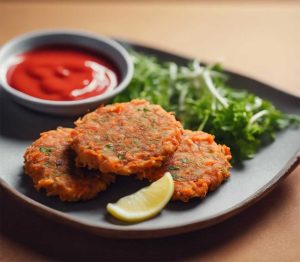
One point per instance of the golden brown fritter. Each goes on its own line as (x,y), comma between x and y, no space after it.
(126,138)
(49,161)
(197,166)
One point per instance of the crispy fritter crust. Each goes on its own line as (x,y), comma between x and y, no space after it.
(126,138)
(197,166)
(49,161)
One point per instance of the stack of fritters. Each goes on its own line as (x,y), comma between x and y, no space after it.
(49,161)
(134,138)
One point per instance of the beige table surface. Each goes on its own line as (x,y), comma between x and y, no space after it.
(259,39)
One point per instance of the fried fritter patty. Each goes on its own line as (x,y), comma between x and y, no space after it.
(50,162)
(126,138)
(197,166)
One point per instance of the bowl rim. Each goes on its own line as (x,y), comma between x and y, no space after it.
(50,33)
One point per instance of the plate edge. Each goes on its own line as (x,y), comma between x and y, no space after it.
(58,216)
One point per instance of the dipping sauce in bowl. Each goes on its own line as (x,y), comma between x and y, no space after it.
(62,73)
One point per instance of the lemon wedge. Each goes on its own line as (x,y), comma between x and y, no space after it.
(144,203)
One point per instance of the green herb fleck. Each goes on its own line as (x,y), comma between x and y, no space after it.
(173,168)
(47,164)
(224,170)
(136,141)
(175,177)
(45,150)
(184,160)
(121,156)
(144,109)
(109,146)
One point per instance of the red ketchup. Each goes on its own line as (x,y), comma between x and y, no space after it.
(62,73)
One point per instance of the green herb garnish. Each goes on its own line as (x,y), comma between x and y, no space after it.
(121,156)
(202,100)
(184,160)
(175,177)
(45,150)
(173,168)
(109,146)
(47,164)
(144,109)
